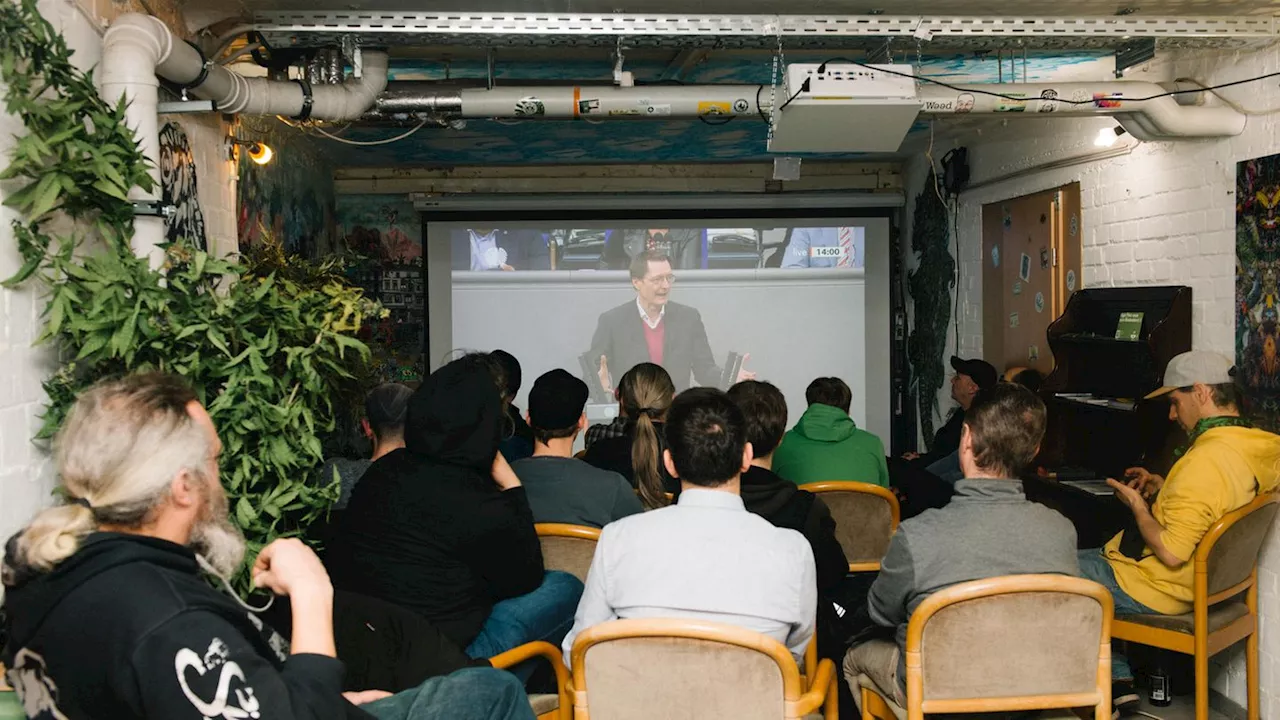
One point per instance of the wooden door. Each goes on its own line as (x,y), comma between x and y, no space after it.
(1031,265)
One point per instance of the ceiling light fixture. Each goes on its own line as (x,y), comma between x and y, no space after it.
(1108,136)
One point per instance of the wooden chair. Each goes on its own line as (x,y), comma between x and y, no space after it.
(866,517)
(1226,565)
(545,707)
(691,669)
(1015,643)
(567,547)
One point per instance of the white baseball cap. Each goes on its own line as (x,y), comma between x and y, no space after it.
(1197,366)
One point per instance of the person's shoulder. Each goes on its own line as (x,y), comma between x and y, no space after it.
(678,310)
(620,311)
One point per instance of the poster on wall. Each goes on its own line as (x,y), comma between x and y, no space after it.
(1258,287)
(384,235)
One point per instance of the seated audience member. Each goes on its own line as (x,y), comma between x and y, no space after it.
(970,377)
(517,440)
(562,489)
(827,445)
(616,427)
(989,529)
(1224,465)
(644,394)
(782,503)
(443,526)
(706,557)
(948,467)
(384,410)
(108,614)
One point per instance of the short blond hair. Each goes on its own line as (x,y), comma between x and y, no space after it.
(117,454)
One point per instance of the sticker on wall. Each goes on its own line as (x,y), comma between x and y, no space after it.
(178,188)
(1071,281)
(965,103)
(713,108)
(1024,267)
(530,106)
(1017,288)
(1073,226)
(1013,320)
(995,256)
(1044,258)
(1039,302)
(741,105)
(1008,217)
(1033,353)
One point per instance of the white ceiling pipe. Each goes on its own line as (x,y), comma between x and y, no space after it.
(137,48)
(610,101)
(1162,117)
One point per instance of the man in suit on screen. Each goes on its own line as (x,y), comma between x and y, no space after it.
(653,329)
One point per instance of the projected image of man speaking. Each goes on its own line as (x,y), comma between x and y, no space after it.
(653,329)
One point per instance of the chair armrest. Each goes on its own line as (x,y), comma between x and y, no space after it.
(551,654)
(820,686)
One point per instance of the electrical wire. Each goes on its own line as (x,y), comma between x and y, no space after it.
(1013,98)
(759,109)
(804,87)
(367,143)
(727,119)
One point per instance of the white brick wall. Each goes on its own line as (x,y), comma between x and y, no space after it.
(1162,214)
(26,477)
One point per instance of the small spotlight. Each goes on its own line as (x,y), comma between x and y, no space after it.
(260,153)
(1108,136)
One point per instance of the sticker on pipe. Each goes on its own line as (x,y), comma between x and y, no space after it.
(935,106)
(657,110)
(1012,102)
(711,108)
(1048,101)
(741,105)
(588,106)
(965,102)
(529,107)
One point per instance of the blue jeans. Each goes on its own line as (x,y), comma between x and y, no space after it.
(470,694)
(544,614)
(1094,566)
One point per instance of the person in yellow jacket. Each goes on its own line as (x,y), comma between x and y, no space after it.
(1224,465)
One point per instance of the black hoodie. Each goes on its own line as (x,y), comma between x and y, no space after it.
(427,528)
(780,502)
(126,628)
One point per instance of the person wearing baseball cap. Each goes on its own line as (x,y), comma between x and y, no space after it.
(970,377)
(1224,464)
(561,488)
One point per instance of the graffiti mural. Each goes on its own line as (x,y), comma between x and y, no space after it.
(291,197)
(1258,286)
(384,234)
(178,187)
(930,286)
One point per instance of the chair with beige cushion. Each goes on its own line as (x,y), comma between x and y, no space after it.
(866,517)
(567,547)
(1224,605)
(1015,643)
(691,670)
(545,706)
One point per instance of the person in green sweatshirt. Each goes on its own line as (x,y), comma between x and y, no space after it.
(827,445)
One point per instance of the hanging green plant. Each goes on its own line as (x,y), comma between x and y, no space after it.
(267,352)
(930,285)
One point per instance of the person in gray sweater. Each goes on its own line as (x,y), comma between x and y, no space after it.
(989,529)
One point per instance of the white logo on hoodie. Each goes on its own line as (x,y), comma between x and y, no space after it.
(245,704)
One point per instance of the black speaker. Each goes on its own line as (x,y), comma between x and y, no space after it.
(955,171)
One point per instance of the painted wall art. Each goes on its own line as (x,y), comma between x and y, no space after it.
(178,188)
(383,236)
(1258,287)
(291,197)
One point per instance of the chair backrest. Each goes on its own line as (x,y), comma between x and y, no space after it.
(567,547)
(1228,553)
(866,517)
(681,670)
(1019,642)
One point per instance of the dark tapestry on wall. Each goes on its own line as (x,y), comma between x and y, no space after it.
(178,187)
(1258,286)
(930,286)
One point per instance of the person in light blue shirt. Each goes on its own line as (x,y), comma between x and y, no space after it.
(799,249)
(706,557)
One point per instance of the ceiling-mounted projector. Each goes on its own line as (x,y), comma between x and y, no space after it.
(845,108)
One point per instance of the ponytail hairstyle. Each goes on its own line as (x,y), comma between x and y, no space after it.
(119,449)
(646,392)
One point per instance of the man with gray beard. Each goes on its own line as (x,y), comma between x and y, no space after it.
(107,613)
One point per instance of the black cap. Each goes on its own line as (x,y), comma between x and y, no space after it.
(556,400)
(387,405)
(982,372)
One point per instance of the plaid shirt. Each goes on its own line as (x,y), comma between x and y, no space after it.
(603,431)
